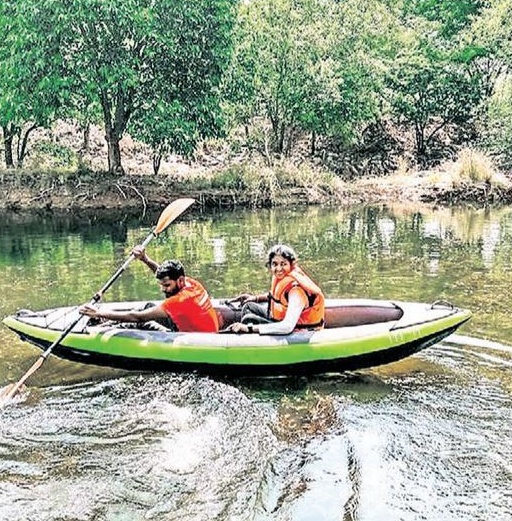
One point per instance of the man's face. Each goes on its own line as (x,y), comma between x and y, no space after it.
(168,286)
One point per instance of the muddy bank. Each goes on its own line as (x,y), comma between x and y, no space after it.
(215,179)
(28,192)
(84,193)
(22,192)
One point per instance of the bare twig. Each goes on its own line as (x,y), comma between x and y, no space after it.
(42,193)
(138,193)
(119,188)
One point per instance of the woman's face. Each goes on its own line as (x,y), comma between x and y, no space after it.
(279,266)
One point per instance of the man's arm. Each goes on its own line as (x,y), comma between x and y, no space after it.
(152,313)
(140,253)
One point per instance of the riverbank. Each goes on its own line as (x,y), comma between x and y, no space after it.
(59,182)
(25,191)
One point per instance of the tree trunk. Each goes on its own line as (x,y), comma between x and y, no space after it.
(114,154)
(419,132)
(280,138)
(87,137)
(22,145)
(84,149)
(8,139)
(116,120)
(157,161)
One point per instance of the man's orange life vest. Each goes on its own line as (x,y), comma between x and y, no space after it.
(191,308)
(313,314)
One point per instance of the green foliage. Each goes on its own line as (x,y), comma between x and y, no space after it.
(493,29)
(192,43)
(491,32)
(131,58)
(46,155)
(430,87)
(453,15)
(497,126)
(33,87)
(303,66)
(284,70)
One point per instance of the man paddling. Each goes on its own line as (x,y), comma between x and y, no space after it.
(186,303)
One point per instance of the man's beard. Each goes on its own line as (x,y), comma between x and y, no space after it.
(171,293)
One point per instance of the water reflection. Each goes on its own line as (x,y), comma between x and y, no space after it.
(426,438)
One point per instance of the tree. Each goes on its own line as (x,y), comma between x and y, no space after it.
(32,86)
(492,30)
(453,15)
(431,84)
(491,34)
(301,66)
(181,106)
(126,54)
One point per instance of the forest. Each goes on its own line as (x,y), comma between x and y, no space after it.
(356,86)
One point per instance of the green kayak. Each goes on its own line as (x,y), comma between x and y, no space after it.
(358,333)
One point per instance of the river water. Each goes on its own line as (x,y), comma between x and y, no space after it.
(427,438)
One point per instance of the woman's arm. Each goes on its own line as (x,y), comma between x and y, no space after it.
(297,301)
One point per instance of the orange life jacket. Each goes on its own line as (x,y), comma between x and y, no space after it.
(191,308)
(313,314)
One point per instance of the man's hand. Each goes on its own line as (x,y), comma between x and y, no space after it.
(88,310)
(243,298)
(139,253)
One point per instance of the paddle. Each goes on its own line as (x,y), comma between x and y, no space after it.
(171,213)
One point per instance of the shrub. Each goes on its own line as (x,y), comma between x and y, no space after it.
(47,155)
(475,166)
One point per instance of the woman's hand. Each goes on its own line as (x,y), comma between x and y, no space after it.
(238,327)
(244,297)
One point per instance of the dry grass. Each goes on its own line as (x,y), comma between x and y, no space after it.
(472,167)
(280,183)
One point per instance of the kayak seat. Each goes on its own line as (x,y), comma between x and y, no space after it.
(337,316)
(346,316)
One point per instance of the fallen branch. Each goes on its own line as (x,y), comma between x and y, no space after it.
(119,188)
(138,193)
(42,193)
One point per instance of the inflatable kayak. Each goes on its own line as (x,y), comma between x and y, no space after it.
(358,334)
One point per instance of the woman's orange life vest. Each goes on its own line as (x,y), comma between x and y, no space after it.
(313,314)
(191,308)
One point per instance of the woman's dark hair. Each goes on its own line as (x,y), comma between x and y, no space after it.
(281,249)
(170,268)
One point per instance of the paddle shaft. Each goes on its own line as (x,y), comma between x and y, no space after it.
(39,362)
(98,296)
(172,211)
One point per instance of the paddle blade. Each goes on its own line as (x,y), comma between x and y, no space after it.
(171,213)
(11,390)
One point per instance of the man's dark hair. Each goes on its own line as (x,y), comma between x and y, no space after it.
(170,268)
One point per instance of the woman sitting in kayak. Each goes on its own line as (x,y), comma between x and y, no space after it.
(294,300)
